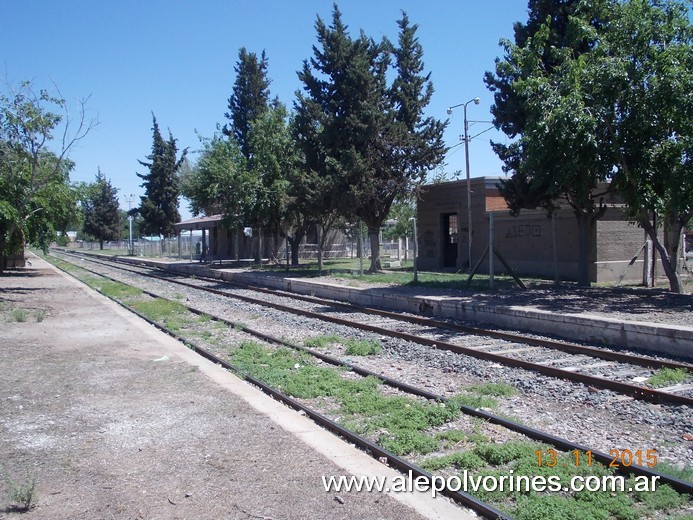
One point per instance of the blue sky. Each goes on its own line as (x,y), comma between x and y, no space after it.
(176,59)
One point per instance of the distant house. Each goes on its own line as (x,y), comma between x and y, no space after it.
(532,243)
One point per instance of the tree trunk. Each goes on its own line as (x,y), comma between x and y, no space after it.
(295,243)
(101,245)
(669,262)
(672,234)
(374,237)
(276,240)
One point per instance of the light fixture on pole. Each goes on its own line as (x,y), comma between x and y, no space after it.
(476,101)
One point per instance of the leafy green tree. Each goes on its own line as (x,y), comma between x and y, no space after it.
(401,212)
(250,97)
(612,104)
(35,197)
(508,109)
(273,162)
(365,142)
(561,152)
(326,119)
(219,182)
(644,67)
(101,211)
(159,206)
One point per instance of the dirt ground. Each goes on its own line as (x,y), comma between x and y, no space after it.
(111,420)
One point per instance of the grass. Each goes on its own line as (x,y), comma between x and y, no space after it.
(158,309)
(398,422)
(40,315)
(19,315)
(117,290)
(486,459)
(451,436)
(685,473)
(352,347)
(461,460)
(361,347)
(348,269)
(669,376)
(323,341)
(484,395)
(21,495)
(493,389)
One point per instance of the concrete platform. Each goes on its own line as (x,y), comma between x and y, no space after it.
(656,338)
(115,419)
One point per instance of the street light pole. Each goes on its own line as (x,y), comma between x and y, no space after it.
(130,246)
(469,184)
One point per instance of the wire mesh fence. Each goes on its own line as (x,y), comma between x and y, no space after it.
(191,248)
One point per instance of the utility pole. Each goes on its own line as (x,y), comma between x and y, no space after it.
(131,249)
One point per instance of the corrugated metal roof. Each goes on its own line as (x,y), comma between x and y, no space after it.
(207,222)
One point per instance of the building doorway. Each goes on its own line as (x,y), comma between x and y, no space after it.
(450,239)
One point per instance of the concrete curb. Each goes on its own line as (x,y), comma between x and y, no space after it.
(637,335)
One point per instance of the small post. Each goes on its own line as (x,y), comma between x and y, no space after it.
(286,245)
(131,247)
(416,252)
(360,250)
(491,249)
(649,267)
(555,247)
(318,234)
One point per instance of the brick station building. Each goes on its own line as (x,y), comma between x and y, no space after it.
(532,243)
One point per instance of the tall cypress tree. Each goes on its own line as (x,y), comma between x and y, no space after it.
(365,142)
(101,215)
(159,207)
(250,97)
(420,147)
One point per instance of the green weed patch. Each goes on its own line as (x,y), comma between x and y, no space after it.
(361,347)
(322,341)
(669,376)
(399,421)
(157,309)
(117,290)
(493,389)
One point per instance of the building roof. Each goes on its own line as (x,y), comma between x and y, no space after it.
(210,222)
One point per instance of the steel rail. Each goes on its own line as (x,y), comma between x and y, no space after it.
(635,391)
(564,346)
(564,444)
(375,450)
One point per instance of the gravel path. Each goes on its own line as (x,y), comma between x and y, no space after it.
(114,421)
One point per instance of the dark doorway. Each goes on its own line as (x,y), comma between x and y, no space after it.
(450,240)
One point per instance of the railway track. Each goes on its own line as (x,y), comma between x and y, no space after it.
(392,459)
(579,363)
